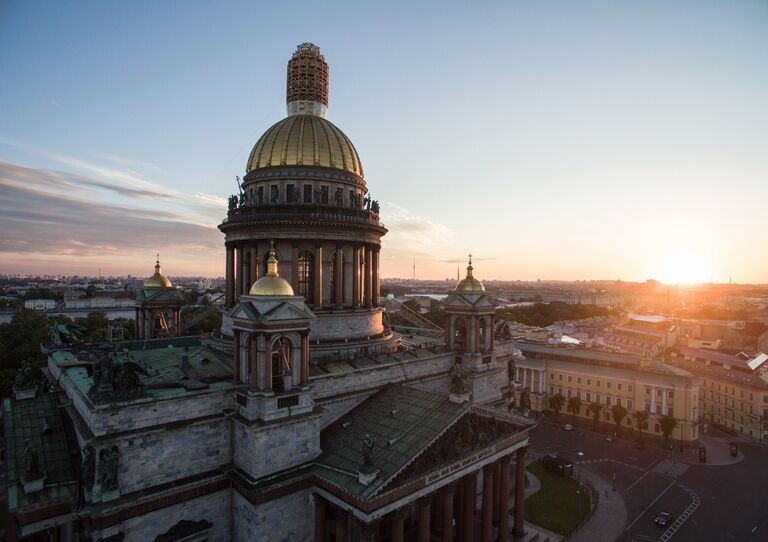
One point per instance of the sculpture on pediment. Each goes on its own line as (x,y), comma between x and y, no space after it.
(24,377)
(232,203)
(458,377)
(375,207)
(367,449)
(31,461)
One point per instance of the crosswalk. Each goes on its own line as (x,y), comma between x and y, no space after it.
(670,468)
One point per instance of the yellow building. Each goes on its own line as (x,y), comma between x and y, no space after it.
(734,391)
(609,379)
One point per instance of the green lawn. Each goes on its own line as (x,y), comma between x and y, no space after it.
(554,507)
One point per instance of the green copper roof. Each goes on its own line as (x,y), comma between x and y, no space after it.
(402,421)
(39,422)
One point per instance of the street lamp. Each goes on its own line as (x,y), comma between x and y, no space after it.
(682,423)
(578,489)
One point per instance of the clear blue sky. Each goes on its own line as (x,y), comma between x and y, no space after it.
(565,140)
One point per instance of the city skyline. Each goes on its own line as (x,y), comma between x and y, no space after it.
(553,144)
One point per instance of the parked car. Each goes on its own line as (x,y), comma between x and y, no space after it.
(568,427)
(663,519)
(558,465)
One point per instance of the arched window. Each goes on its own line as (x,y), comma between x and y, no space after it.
(281,363)
(460,335)
(332,278)
(306,278)
(481,332)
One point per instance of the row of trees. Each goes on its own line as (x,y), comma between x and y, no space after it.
(667,424)
(546,314)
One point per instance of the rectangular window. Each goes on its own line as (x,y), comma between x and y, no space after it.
(629,387)
(324,195)
(671,394)
(560,377)
(589,399)
(629,404)
(608,385)
(339,197)
(260,195)
(351,198)
(291,194)
(578,380)
(618,386)
(598,383)
(589,381)
(274,193)
(670,412)
(551,376)
(570,379)
(597,398)
(578,394)
(607,401)
(569,393)
(551,390)
(307,193)
(647,390)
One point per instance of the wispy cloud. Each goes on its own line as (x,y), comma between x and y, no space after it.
(45,212)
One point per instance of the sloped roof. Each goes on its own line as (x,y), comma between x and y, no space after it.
(25,421)
(408,427)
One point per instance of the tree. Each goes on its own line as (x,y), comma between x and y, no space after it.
(641,416)
(20,339)
(556,402)
(668,424)
(595,408)
(574,406)
(619,413)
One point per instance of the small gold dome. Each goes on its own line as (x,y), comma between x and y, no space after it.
(271,283)
(307,140)
(158,280)
(470,283)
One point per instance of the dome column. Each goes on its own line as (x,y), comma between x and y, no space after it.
(356,275)
(318,301)
(230,289)
(239,271)
(338,280)
(376,282)
(367,277)
(253,266)
(236,356)
(253,361)
(295,266)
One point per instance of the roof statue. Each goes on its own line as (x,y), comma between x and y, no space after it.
(158,280)
(367,450)
(457,379)
(24,378)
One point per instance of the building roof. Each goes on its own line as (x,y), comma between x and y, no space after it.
(649,318)
(305,140)
(750,364)
(39,423)
(736,378)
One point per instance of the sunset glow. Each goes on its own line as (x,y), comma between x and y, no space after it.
(683,266)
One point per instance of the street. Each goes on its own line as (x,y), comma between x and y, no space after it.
(707,502)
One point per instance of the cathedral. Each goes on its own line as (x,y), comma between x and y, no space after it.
(305,418)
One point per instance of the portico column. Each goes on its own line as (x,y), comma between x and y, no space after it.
(238,272)
(397,525)
(447,528)
(520,492)
(504,499)
(342,525)
(253,350)
(230,276)
(496,478)
(470,493)
(318,301)
(368,531)
(320,508)
(487,530)
(338,285)
(236,356)
(367,287)
(542,377)
(356,275)
(517,374)
(424,510)
(525,376)
(653,400)
(664,402)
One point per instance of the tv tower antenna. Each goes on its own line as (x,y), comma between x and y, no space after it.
(414,268)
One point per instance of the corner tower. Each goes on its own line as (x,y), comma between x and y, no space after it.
(304,188)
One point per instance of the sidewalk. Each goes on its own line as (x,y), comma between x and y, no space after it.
(610,518)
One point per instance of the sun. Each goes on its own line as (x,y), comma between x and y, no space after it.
(683,266)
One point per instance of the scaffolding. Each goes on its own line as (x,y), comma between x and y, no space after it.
(307,75)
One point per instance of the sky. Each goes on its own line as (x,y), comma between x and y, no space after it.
(552,140)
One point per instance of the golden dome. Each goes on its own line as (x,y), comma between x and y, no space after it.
(470,283)
(308,140)
(271,283)
(158,280)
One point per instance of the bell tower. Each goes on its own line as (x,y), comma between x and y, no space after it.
(469,333)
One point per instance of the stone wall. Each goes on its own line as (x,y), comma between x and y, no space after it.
(214,508)
(264,449)
(161,456)
(289,519)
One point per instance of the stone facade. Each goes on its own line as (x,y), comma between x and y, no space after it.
(288,519)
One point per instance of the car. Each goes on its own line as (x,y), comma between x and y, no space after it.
(609,438)
(568,427)
(663,519)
